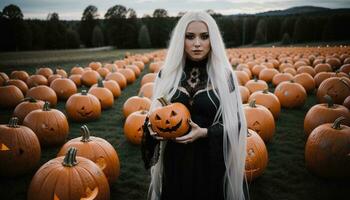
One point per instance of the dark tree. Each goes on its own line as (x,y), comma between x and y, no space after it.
(160,12)
(116,12)
(73,41)
(55,32)
(12,12)
(97,37)
(88,22)
(131,14)
(144,39)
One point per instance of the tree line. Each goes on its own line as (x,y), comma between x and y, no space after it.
(121,28)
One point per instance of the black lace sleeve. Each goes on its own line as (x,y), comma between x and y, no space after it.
(149,147)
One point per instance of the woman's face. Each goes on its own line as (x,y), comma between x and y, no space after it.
(197,42)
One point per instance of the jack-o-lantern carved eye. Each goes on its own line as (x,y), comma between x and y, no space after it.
(157,117)
(173,114)
(3,147)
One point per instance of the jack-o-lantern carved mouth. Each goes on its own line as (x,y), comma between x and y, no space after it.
(85,114)
(171,129)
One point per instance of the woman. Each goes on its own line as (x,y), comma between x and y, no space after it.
(208,162)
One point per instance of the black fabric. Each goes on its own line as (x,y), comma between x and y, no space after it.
(194,171)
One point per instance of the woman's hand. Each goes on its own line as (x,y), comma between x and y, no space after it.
(195,133)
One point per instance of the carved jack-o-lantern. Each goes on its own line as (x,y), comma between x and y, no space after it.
(97,150)
(19,149)
(170,120)
(257,157)
(83,107)
(69,177)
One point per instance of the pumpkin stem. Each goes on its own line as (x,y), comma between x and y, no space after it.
(13,123)
(83,92)
(292,81)
(265,91)
(30,99)
(70,157)
(255,78)
(163,101)
(141,95)
(337,122)
(248,133)
(252,103)
(46,106)
(143,112)
(85,134)
(329,101)
(100,83)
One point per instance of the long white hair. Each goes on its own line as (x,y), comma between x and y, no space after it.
(222,78)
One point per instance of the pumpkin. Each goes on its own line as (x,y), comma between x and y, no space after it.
(147,90)
(170,120)
(334,62)
(77,70)
(306,69)
(104,95)
(256,157)
(44,93)
(45,71)
(245,93)
(21,75)
(83,107)
(155,67)
(18,83)
(111,86)
(10,96)
(336,87)
(90,77)
(305,80)
(69,177)
(64,88)
(139,64)
(103,71)
(134,68)
(267,99)
(346,102)
(3,78)
(97,150)
(120,63)
(257,69)
(260,119)
(149,77)
(50,125)
(323,67)
(27,105)
(290,94)
(133,126)
(327,150)
(242,77)
(19,149)
(117,77)
(268,74)
(53,77)
(35,80)
(291,71)
(324,113)
(61,72)
(345,68)
(256,85)
(136,103)
(76,78)
(281,77)
(95,65)
(129,74)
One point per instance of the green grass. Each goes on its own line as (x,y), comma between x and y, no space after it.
(285,177)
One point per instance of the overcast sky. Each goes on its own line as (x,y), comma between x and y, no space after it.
(73,9)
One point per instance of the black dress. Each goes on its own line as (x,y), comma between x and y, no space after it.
(195,170)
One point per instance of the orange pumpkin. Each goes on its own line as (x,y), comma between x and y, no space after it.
(281,77)
(336,87)
(18,83)
(64,88)
(136,103)
(53,77)
(327,150)
(61,72)
(324,113)
(306,69)
(129,74)
(260,119)
(346,102)
(104,95)
(345,68)
(11,96)
(256,85)
(77,70)
(133,126)
(89,77)
(97,150)
(3,78)
(21,75)
(95,65)
(290,94)
(113,87)
(117,77)
(147,90)
(35,80)
(323,67)
(44,93)
(50,125)
(245,93)
(19,149)
(170,120)
(27,105)
(306,81)
(83,107)
(267,99)
(45,71)
(69,177)
(103,71)
(242,77)
(149,77)
(76,78)
(257,157)
(268,74)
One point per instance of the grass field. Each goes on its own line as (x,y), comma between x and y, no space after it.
(285,178)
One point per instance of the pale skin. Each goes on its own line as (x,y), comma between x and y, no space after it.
(197,47)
